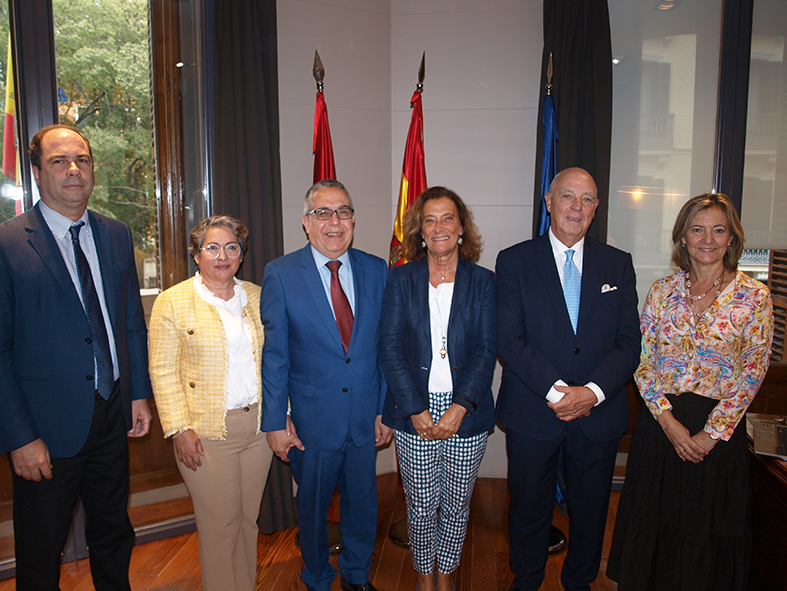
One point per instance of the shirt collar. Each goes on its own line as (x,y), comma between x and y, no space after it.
(558,248)
(208,296)
(321,260)
(58,223)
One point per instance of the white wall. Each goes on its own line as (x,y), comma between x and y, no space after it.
(480,114)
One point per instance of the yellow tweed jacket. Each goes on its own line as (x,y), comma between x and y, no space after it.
(189,361)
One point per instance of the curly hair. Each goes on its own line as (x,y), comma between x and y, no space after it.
(197,235)
(680,257)
(469,250)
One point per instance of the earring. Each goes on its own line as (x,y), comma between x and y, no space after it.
(460,239)
(423,243)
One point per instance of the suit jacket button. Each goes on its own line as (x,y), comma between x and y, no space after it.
(192,385)
(454,368)
(344,389)
(89,341)
(347,360)
(577,351)
(190,331)
(89,378)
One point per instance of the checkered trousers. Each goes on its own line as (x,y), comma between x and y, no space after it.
(438,479)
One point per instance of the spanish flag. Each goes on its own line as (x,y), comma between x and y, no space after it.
(9,145)
(413,177)
(322,148)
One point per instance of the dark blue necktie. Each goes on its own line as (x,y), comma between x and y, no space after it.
(105,380)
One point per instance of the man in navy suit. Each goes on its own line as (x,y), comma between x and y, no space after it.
(322,355)
(566,361)
(67,405)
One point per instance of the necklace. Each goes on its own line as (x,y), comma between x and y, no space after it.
(692,299)
(443,350)
(699,297)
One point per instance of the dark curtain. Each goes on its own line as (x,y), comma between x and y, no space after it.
(577,34)
(246,167)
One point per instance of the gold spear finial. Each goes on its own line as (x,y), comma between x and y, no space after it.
(549,75)
(318,71)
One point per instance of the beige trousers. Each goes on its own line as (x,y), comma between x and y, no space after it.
(226,491)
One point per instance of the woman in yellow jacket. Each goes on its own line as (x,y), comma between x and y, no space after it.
(205,343)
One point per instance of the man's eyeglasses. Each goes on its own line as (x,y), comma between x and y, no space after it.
(324,213)
(211,251)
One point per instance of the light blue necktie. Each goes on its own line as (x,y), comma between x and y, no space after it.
(572,281)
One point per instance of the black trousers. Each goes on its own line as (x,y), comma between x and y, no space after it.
(98,475)
(532,477)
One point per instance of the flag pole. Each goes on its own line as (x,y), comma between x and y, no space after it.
(324,168)
(322,147)
(413,184)
(413,181)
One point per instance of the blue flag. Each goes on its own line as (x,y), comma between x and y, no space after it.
(548,160)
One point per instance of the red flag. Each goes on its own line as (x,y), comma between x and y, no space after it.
(413,177)
(322,148)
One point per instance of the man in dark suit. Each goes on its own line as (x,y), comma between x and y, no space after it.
(321,354)
(569,339)
(73,368)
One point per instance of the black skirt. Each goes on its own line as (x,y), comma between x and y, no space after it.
(682,526)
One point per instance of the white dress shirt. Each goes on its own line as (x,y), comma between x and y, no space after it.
(559,252)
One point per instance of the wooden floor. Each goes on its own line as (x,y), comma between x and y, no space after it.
(173,564)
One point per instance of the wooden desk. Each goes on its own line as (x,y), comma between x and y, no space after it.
(769,523)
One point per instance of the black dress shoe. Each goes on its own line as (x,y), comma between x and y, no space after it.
(367,586)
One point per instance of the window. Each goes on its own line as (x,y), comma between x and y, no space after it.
(103,75)
(764,203)
(663,125)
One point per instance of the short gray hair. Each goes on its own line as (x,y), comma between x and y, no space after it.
(308,201)
(197,234)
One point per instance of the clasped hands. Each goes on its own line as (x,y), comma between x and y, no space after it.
(446,428)
(692,448)
(577,402)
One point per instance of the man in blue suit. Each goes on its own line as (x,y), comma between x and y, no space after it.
(569,339)
(73,368)
(322,356)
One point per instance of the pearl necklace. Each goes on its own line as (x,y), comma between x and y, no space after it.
(692,299)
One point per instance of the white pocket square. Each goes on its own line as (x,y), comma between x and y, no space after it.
(607,287)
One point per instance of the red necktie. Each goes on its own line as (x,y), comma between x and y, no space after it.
(341,305)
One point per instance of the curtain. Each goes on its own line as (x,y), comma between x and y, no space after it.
(246,167)
(577,33)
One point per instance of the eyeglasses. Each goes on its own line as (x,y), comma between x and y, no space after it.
(324,213)
(232,250)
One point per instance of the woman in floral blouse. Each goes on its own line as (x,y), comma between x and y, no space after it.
(682,522)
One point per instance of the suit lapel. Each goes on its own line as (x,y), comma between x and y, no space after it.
(317,292)
(461,285)
(420,289)
(550,280)
(43,242)
(591,271)
(102,240)
(359,273)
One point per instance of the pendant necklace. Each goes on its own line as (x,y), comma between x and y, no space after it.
(443,350)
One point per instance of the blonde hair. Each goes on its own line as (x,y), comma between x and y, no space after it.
(680,257)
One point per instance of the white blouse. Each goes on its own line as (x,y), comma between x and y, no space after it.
(241,373)
(439,311)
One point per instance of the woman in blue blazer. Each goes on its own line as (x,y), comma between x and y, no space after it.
(438,350)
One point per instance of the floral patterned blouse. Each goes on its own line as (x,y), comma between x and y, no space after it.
(724,356)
